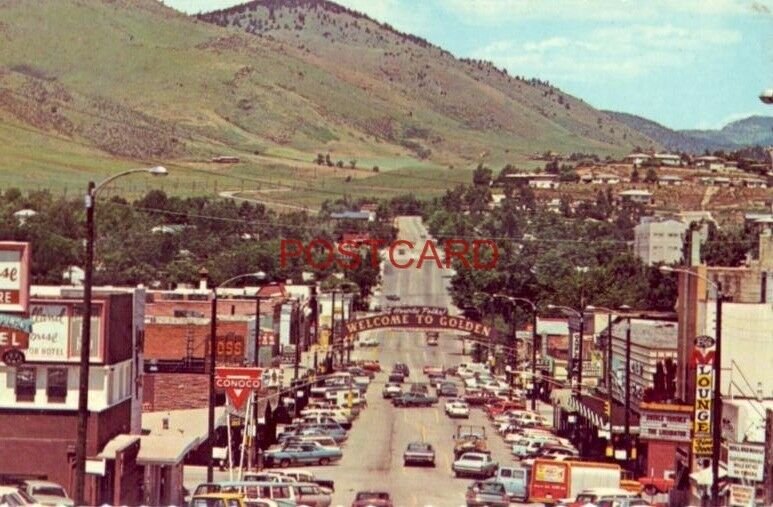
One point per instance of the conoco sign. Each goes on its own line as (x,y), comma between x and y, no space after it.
(237,383)
(421,318)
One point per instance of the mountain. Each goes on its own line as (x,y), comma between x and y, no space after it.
(88,87)
(755,130)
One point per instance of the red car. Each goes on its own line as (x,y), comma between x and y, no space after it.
(479,398)
(372,499)
(371,365)
(655,485)
(501,407)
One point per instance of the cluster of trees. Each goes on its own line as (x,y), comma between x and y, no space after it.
(162,241)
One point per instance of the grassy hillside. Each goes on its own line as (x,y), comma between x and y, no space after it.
(88,87)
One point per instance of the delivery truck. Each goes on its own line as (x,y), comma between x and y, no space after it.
(553,481)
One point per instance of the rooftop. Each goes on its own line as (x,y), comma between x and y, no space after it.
(650,333)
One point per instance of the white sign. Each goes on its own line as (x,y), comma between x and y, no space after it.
(741,496)
(746,461)
(665,426)
(50,335)
(95,466)
(14,277)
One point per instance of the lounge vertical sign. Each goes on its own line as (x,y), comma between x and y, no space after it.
(703,359)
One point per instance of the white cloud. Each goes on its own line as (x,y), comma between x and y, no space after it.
(507,11)
(615,53)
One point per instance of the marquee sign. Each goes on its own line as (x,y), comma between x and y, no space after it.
(746,461)
(670,426)
(703,358)
(238,382)
(421,317)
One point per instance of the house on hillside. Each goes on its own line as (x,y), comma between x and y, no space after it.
(668,159)
(352,215)
(715,181)
(543,181)
(709,162)
(669,180)
(636,196)
(637,159)
(601,179)
(753,183)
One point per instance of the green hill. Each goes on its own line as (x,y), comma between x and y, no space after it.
(91,86)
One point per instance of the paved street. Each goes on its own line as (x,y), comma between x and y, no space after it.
(373,453)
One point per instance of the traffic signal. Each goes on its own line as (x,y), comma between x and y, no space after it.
(608,409)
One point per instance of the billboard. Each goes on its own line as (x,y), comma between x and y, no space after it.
(14,277)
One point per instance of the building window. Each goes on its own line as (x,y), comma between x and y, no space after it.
(25,384)
(56,388)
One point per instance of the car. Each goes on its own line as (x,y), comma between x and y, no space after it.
(599,496)
(10,495)
(372,499)
(304,453)
(396,377)
(324,441)
(474,464)
(457,409)
(515,479)
(419,453)
(369,341)
(429,370)
(216,500)
(402,368)
(414,400)
(371,365)
(448,389)
(327,485)
(391,389)
(392,297)
(420,388)
(308,493)
(47,493)
(487,494)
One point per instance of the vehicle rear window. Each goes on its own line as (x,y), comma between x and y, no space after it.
(373,495)
(492,488)
(505,473)
(50,491)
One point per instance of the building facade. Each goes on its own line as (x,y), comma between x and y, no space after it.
(659,241)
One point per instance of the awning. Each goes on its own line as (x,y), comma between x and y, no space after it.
(116,445)
(164,450)
(705,476)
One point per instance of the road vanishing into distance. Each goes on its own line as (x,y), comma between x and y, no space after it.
(373,453)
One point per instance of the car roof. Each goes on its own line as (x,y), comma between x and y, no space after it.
(607,491)
(35,482)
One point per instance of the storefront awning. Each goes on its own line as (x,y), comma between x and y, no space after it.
(164,450)
(116,445)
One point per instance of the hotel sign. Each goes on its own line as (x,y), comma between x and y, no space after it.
(673,427)
(703,359)
(14,277)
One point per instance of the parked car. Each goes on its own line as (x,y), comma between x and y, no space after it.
(487,494)
(515,479)
(448,389)
(402,368)
(369,341)
(371,365)
(391,389)
(47,493)
(323,440)
(419,453)
(457,409)
(474,464)
(12,496)
(327,485)
(414,400)
(213,500)
(307,493)
(597,496)
(318,419)
(372,499)
(302,454)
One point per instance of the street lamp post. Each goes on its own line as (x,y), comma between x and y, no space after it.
(212,353)
(92,191)
(716,429)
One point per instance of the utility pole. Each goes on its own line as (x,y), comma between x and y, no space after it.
(579,361)
(211,407)
(333,343)
(514,362)
(628,393)
(717,424)
(608,375)
(534,359)
(256,363)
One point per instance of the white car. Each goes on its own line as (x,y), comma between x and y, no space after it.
(369,341)
(47,493)
(457,409)
(10,495)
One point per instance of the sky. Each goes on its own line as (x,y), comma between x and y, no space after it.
(683,63)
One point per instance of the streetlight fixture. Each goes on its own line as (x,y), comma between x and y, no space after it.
(92,191)
(716,428)
(212,352)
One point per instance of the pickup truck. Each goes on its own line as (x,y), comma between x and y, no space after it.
(414,400)
(419,453)
(475,464)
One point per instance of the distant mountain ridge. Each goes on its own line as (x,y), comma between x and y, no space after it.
(751,131)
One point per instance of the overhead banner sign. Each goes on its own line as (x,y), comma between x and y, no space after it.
(237,383)
(703,358)
(414,317)
(746,461)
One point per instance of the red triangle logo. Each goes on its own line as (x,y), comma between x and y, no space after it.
(237,383)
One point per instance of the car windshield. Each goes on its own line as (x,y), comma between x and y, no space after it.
(368,495)
(490,488)
(49,491)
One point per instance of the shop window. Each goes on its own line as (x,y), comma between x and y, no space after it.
(25,384)
(56,387)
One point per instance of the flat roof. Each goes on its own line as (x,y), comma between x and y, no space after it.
(164,450)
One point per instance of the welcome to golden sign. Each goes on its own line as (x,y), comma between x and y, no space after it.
(421,318)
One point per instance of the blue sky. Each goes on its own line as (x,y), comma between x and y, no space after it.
(683,63)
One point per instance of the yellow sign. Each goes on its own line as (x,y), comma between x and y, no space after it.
(702,446)
(547,472)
